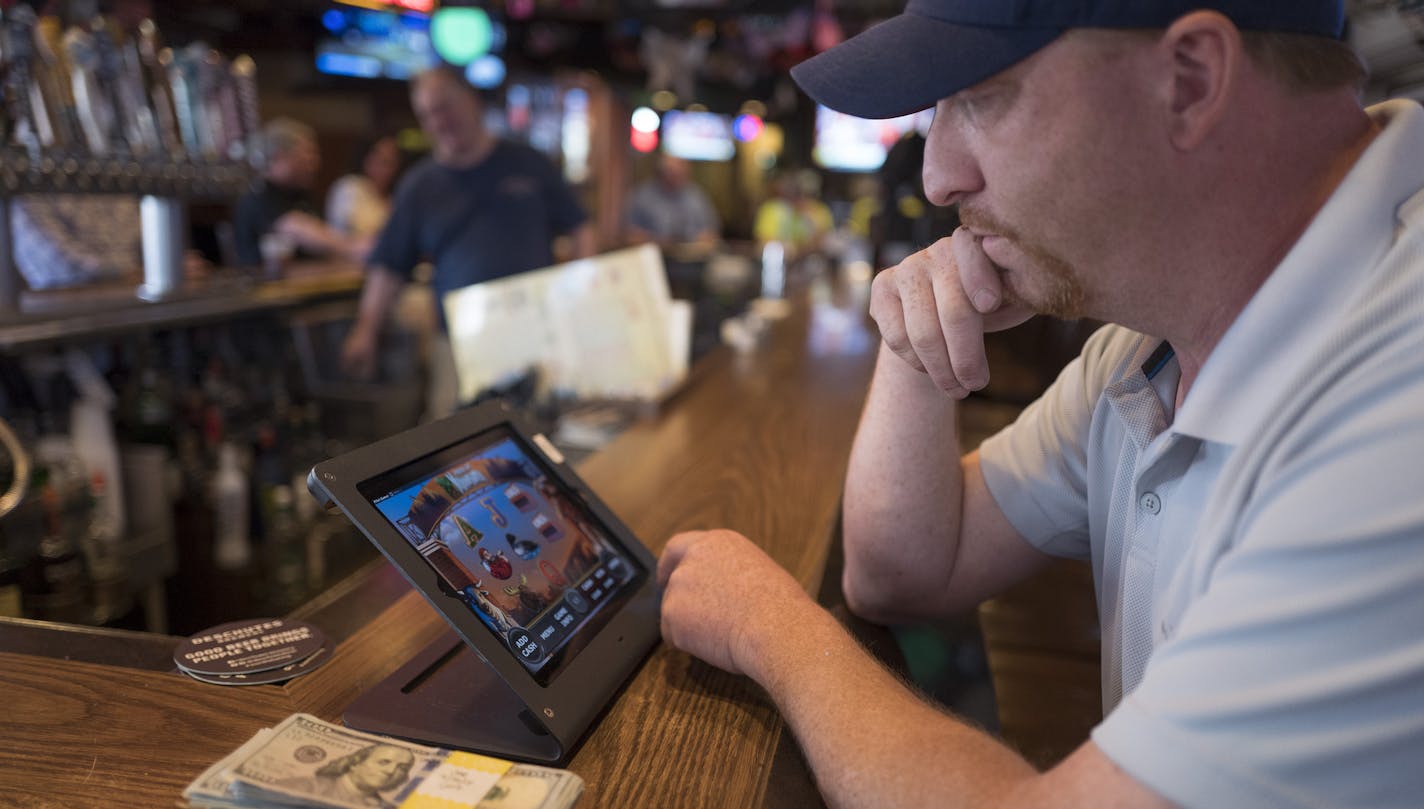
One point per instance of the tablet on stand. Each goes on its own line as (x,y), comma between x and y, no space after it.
(551,600)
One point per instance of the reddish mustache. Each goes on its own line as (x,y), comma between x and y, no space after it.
(983,224)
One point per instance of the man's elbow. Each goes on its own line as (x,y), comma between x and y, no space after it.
(870,599)
(879,589)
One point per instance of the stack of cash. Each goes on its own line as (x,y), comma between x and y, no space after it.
(307,762)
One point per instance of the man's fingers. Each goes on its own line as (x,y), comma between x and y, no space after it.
(984,285)
(887,309)
(934,308)
(927,339)
(962,329)
(672,555)
(958,324)
(981,283)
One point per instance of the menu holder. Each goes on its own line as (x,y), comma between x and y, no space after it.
(597,329)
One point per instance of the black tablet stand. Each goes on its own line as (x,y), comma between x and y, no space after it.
(447,696)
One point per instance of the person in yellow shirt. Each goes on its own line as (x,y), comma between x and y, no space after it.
(794,215)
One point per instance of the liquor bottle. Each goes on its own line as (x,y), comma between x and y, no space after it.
(11,574)
(305,440)
(91,432)
(56,584)
(232,549)
(285,548)
(193,521)
(111,595)
(12,530)
(149,417)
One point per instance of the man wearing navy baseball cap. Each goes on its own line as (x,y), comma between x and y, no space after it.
(1237,455)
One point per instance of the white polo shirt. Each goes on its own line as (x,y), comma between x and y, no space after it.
(1259,555)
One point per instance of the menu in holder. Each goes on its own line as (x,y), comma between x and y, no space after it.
(597,328)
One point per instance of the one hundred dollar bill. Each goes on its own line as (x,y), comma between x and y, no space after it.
(305,761)
(525,786)
(214,788)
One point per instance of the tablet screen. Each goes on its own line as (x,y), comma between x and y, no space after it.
(511,543)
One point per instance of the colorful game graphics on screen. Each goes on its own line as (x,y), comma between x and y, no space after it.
(512,546)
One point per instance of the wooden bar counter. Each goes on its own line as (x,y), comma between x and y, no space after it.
(757,442)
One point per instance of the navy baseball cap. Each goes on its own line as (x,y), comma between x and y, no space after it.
(938,47)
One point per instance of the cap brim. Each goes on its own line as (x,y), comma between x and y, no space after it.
(908,63)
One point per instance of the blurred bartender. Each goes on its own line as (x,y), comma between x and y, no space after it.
(280,218)
(479,208)
(673,211)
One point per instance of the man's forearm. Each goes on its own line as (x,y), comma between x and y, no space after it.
(377,297)
(313,234)
(903,494)
(868,738)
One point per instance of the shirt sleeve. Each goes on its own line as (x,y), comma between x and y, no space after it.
(248,227)
(1296,677)
(397,249)
(1037,468)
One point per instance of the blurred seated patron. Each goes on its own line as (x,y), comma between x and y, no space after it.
(283,209)
(359,203)
(671,210)
(793,216)
(478,208)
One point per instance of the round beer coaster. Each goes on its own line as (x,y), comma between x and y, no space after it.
(267,677)
(247,647)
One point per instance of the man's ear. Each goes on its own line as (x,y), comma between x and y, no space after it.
(1205,56)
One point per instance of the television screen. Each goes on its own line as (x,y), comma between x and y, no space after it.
(846,143)
(374,44)
(698,135)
